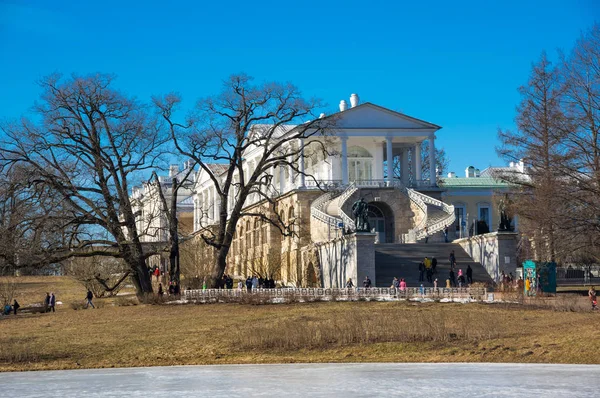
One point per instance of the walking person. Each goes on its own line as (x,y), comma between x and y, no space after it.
(469,275)
(592,296)
(16,306)
(402,284)
(349,283)
(52,302)
(421,271)
(395,283)
(452,259)
(452,278)
(426,235)
(367,282)
(446,234)
(47,302)
(249,284)
(254,283)
(433,265)
(89,296)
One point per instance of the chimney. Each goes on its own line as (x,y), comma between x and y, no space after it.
(470,172)
(173,170)
(451,174)
(343,106)
(354,100)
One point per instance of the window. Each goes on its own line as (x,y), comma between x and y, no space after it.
(360,164)
(484,216)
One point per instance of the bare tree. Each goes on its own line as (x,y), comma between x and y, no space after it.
(169,210)
(29,219)
(99,274)
(540,140)
(225,128)
(91,142)
(581,104)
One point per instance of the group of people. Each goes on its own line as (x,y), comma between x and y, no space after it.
(11,308)
(50,302)
(366,283)
(254,282)
(428,270)
(173,289)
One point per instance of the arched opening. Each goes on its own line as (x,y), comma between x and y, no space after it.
(311,276)
(381,219)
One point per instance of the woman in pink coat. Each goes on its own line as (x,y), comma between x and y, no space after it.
(402,285)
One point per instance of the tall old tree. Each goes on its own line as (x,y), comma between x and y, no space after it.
(539,140)
(581,103)
(271,118)
(90,142)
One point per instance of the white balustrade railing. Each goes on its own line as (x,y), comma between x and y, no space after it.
(333,294)
(348,222)
(323,184)
(317,209)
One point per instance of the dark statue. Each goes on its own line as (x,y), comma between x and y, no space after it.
(360,212)
(505,219)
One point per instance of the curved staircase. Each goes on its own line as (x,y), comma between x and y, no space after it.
(327,211)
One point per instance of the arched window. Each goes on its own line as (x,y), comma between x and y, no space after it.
(282,217)
(360,164)
(248,235)
(256,232)
(358,152)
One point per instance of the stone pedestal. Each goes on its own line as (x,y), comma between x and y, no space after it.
(365,257)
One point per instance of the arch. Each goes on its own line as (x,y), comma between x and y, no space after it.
(311,276)
(381,218)
(358,152)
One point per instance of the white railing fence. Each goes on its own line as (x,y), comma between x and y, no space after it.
(333,294)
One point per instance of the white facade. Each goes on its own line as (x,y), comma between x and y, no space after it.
(150,214)
(359,147)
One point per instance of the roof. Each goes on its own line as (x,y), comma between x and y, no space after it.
(399,114)
(480,182)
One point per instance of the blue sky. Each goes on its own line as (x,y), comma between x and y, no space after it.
(456,64)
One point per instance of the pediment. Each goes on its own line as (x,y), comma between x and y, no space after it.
(371,116)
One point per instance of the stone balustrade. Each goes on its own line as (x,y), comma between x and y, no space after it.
(346,294)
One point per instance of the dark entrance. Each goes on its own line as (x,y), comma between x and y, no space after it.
(381,219)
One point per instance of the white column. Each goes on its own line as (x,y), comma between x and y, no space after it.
(215,206)
(281,179)
(344,160)
(390,159)
(417,162)
(195,215)
(432,176)
(301,166)
(404,166)
(291,175)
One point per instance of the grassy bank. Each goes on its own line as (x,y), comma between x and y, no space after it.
(146,335)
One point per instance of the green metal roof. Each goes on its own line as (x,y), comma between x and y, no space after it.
(480,182)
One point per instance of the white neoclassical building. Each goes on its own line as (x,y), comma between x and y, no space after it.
(374,153)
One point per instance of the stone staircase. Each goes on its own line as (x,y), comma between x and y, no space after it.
(402,261)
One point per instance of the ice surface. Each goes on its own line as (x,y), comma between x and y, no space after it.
(315,380)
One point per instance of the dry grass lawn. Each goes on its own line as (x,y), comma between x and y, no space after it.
(149,335)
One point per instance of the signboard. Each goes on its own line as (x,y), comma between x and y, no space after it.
(529,278)
(539,277)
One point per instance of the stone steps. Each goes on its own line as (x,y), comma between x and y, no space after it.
(402,261)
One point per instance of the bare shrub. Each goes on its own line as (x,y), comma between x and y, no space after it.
(126,301)
(8,289)
(97,272)
(361,326)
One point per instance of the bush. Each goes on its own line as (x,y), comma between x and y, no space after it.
(126,301)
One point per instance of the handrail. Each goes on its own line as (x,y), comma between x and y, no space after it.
(348,222)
